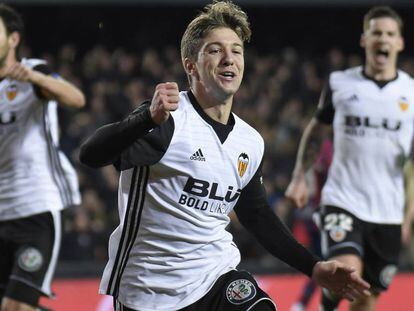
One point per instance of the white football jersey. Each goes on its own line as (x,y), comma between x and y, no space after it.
(171,245)
(373,132)
(34,175)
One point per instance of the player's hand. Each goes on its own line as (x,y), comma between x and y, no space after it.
(165,99)
(297,191)
(340,279)
(19,72)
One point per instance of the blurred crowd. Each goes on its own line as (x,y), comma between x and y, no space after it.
(278,96)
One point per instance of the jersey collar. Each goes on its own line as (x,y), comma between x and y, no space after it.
(222,130)
(379,83)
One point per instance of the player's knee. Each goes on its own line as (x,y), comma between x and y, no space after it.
(14,305)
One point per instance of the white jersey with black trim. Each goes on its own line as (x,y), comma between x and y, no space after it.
(373,132)
(171,245)
(34,175)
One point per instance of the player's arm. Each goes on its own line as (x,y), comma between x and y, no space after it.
(309,145)
(406,229)
(51,87)
(255,214)
(129,142)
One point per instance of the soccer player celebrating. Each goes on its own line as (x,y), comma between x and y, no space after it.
(36,179)
(186,161)
(371,110)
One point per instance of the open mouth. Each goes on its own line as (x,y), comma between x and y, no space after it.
(228,74)
(381,56)
(383,53)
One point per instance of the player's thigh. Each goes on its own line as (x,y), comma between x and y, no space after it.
(383,245)
(341,233)
(233,291)
(6,257)
(9,304)
(36,242)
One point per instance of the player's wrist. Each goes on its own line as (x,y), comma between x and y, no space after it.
(35,77)
(298,173)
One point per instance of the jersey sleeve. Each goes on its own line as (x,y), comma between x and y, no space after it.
(43,68)
(135,141)
(256,216)
(149,149)
(325,111)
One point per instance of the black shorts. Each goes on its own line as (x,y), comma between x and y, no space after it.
(378,245)
(233,291)
(29,250)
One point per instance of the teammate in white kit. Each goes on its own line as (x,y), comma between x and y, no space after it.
(186,161)
(36,179)
(371,110)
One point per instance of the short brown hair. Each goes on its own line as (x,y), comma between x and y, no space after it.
(215,15)
(382,11)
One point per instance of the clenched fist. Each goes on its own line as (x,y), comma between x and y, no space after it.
(19,72)
(165,99)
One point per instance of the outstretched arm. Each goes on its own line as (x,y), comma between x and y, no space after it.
(257,217)
(340,279)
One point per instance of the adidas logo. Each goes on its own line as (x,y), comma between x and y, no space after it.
(352,98)
(198,156)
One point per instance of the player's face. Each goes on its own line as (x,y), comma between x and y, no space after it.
(220,63)
(382,42)
(4,43)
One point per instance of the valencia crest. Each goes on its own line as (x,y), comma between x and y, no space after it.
(242,163)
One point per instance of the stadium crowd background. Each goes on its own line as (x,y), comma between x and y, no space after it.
(117,54)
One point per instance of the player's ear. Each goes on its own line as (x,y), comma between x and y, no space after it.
(362,40)
(191,68)
(401,44)
(14,39)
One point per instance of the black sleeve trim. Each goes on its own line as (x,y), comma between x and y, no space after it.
(326,111)
(256,216)
(43,68)
(108,142)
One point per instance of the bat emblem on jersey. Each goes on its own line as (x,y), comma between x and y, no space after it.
(11,92)
(403,103)
(242,163)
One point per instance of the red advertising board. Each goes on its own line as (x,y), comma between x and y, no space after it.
(81,295)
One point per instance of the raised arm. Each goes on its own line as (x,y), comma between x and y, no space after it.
(51,87)
(109,141)
(107,144)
